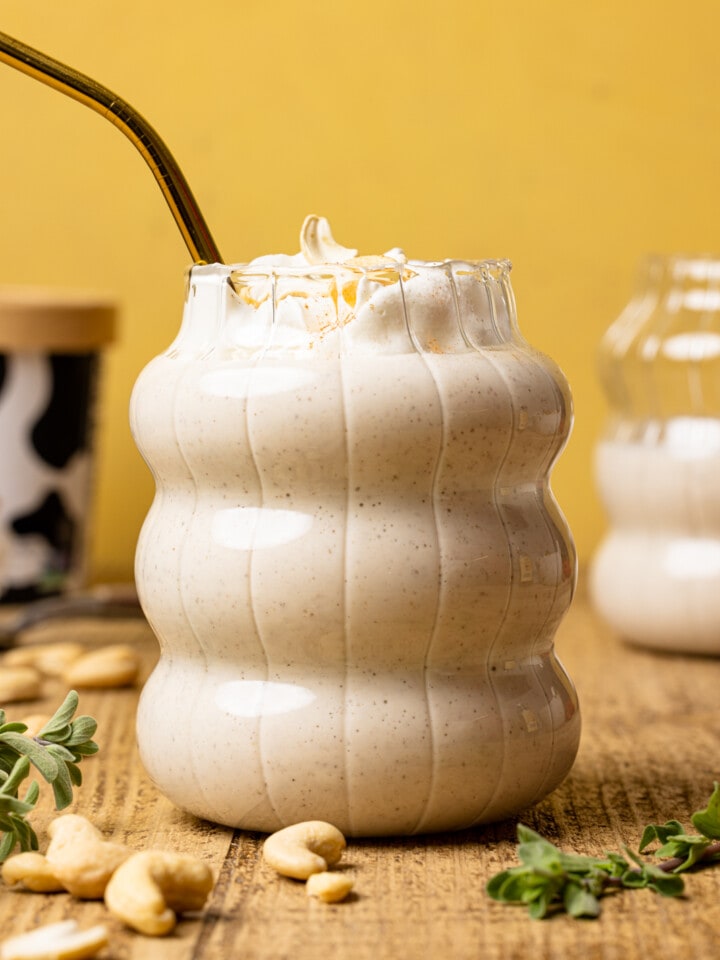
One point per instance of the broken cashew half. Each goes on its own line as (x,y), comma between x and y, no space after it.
(80,858)
(56,941)
(328,887)
(304,848)
(33,871)
(150,887)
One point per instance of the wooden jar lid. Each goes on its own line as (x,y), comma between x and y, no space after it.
(58,321)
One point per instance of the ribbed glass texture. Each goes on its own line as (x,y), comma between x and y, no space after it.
(656,575)
(354,563)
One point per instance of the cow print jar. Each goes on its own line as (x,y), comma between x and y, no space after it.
(50,346)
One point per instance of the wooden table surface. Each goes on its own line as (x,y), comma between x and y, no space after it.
(649,753)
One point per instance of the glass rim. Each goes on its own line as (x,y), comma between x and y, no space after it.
(358,267)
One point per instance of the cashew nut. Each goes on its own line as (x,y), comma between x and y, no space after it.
(117,665)
(33,871)
(318,244)
(49,658)
(19,683)
(56,941)
(329,887)
(304,848)
(82,861)
(150,887)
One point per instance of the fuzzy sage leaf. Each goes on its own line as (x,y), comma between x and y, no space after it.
(55,753)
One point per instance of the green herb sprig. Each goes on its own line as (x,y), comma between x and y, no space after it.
(55,752)
(547,880)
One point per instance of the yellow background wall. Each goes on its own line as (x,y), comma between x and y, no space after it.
(571,137)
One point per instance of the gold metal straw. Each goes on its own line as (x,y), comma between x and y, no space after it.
(166,171)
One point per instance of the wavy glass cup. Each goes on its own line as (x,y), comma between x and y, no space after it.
(655,577)
(354,564)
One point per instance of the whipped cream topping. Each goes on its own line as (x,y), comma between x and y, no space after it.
(318,247)
(326,292)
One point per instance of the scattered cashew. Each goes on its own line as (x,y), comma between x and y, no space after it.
(56,941)
(81,859)
(329,887)
(304,848)
(33,871)
(117,665)
(148,889)
(49,658)
(19,683)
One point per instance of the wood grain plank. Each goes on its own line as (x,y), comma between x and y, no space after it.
(649,752)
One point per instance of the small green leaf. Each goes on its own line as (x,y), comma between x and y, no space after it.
(689,849)
(526,835)
(7,845)
(85,749)
(37,755)
(62,788)
(667,885)
(634,879)
(53,735)
(15,727)
(7,761)
(660,832)
(540,856)
(617,864)
(707,821)
(648,875)
(83,729)
(26,835)
(75,774)
(577,863)
(508,886)
(61,753)
(657,879)
(19,773)
(544,896)
(62,716)
(32,794)
(13,805)
(579,902)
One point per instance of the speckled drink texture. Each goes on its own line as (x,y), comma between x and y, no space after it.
(354,564)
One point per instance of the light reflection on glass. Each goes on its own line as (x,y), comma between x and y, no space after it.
(261,698)
(257,528)
(692,347)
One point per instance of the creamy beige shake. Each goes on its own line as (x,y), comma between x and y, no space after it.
(656,575)
(354,563)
